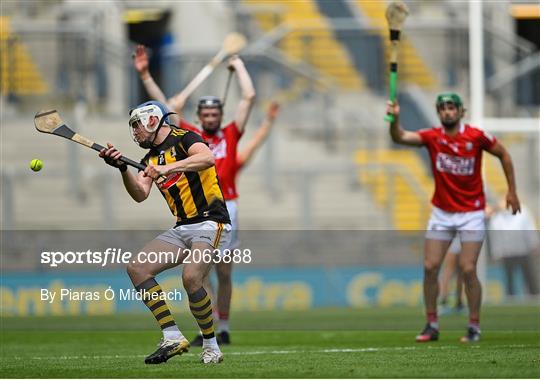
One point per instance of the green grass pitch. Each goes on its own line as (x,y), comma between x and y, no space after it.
(369,342)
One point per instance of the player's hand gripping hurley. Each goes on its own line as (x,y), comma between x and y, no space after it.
(49,121)
(396,13)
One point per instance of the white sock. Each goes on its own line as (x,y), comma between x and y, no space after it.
(172,332)
(212,342)
(223,325)
(434,325)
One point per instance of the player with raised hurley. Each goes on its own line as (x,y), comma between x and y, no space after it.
(232,44)
(194,196)
(455,150)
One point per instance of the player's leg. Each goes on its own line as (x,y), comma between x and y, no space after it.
(529,275)
(449,267)
(200,303)
(193,279)
(142,275)
(224,271)
(434,252)
(472,232)
(209,287)
(439,235)
(473,289)
(459,289)
(224,275)
(509,268)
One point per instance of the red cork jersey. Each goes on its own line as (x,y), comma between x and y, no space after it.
(456,163)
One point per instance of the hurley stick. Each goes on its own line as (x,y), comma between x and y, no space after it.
(396,13)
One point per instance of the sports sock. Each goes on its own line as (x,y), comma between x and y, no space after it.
(432,319)
(151,291)
(212,342)
(223,322)
(172,333)
(201,308)
(475,323)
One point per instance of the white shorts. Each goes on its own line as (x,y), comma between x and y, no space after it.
(443,225)
(218,235)
(455,246)
(232,208)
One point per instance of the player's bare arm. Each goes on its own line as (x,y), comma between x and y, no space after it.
(138,186)
(141,63)
(245,155)
(248,92)
(399,135)
(512,200)
(178,101)
(200,158)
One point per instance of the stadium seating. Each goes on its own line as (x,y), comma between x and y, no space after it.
(19,73)
(416,70)
(311,40)
(398,181)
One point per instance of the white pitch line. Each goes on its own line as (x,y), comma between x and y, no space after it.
(280,352)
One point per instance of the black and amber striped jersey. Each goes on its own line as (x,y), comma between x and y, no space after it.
(193,197)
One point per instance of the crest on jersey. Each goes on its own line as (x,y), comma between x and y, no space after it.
(161,158)
(468,146)
(219,150)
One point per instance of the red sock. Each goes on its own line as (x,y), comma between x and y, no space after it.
(223,316)
(475,322)
(432,319)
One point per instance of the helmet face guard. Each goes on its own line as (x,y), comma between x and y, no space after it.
(140,117)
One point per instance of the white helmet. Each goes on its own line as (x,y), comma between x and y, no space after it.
(142,114)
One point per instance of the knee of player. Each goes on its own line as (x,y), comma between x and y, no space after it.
(431,267)
(468,269)
(135,269)
(192,281)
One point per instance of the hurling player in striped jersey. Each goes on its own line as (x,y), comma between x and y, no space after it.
(222,140)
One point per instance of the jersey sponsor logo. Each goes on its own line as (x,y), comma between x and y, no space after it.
(171,180)
(455,165)
(219,150)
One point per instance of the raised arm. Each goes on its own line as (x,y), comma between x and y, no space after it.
(141,63)
(399,135)
(248,93)
(138,186)
(512,200)
(245,155)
